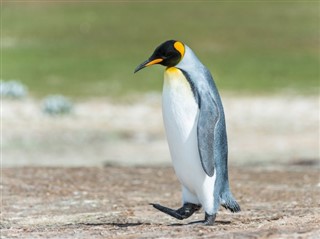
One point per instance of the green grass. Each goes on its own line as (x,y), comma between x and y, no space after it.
(91,49)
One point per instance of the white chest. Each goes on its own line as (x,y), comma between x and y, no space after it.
(180,115)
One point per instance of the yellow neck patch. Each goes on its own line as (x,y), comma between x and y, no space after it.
(171,70)
(179,47)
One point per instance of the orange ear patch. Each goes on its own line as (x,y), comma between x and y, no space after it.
(179,47)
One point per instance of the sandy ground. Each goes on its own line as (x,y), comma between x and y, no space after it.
(271,129)
(92,174)
(113,202)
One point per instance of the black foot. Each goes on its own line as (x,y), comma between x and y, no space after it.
(208,220)
(182,213)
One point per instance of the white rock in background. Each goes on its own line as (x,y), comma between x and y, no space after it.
(57,105)
(13,89)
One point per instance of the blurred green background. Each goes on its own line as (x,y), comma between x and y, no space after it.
(84,49)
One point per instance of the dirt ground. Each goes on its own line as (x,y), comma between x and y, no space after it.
(113,202)
(93,173)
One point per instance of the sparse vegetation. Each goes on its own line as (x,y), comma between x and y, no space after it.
(91,49)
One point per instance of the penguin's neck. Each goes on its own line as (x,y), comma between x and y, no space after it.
(190,61)
(177,87)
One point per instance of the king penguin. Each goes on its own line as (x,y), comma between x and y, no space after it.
(196,132)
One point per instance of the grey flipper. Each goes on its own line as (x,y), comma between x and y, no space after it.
(208,117)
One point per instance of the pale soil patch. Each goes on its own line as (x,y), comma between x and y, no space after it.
(260,129)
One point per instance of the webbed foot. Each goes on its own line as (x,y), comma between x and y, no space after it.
(182,213)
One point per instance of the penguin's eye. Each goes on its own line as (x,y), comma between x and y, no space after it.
(170,54)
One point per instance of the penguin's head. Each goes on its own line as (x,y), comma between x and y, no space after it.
(167,54)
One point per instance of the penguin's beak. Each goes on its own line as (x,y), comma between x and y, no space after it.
(148,62)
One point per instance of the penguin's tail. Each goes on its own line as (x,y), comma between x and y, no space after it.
(228,202)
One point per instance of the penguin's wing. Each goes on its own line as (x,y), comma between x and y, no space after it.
(208,117)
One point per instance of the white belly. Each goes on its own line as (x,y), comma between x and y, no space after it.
(180,115)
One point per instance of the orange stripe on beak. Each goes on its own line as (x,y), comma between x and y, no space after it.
(155,61)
